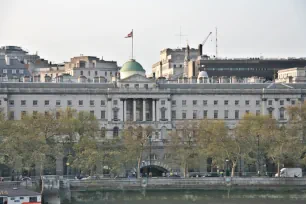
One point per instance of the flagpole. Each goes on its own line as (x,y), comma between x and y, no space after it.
(132,42)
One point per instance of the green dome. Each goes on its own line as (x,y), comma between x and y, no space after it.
(132,66)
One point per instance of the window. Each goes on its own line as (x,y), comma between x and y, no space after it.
(115,113)
(13,71)
(281,102)
(91,102)
(226,102)
(174,66)
(282,114)
(293,102)
(11,102)
(115,102)
(102,102)
(115,132)
(33,199)
(257,112)
(69,103)
(105,74)
(35,102)
(23,102)
(58,102)
(21,198)
(184,102)
(205,114)
(194,102)
(111,73)
(146,86)
(173,114)
(236,102)
(257,103)
(270,113)
(46,102)
(194,114)
(226,114)
(163,114)
(247,102)
(58,115)
(20,71)
(80,102)
(184,115)
(204,102)
(215,114)
(23,114)
(270,102)
(247,112)
(215,102)
(11,115)
(5,71)
(81,73)
(103,114)
(236,114)
(92,113)
(173,103)
(96,73)
(136,86)
(163,102)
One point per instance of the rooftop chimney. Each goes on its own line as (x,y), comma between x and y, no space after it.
(200,50)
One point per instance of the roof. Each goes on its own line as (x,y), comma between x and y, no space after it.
(132,65)
(10,192)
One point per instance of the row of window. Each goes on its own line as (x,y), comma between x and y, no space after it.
(195,114)
(226,102)
(59,102)
(236,69)
(14,71)
(136,86)
(96,73)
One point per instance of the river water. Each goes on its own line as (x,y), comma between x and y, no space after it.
(181,197)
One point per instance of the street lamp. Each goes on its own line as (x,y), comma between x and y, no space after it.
(67,164)
(227,172)
(258,162)
(150,141)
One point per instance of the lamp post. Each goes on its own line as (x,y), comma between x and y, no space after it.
(258,162)
(67,164)
(227,172)
(150,141)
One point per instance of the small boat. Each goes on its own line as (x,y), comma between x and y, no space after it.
(19,195)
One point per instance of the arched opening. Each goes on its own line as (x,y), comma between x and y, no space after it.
(157,171)
(115,132)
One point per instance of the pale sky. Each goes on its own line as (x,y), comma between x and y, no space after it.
(61,29)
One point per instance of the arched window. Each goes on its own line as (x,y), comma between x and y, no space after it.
(115,132)
(103,132)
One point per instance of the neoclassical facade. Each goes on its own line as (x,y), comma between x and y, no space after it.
(152,102)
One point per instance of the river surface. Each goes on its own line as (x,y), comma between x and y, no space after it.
(180,197)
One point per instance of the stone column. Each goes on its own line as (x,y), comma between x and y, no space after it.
(134,109)
(144,110)
(157,110)
(109,109)
(153,110)
(169,109)
(123,110)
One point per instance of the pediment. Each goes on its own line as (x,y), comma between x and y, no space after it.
(137,78)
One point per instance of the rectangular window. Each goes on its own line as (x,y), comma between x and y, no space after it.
(35,102)
(247,112)
(96,73)
(204,102)
(80,102)
(12,115)
(115,102)
(215,102)
(163,102)
(69,103)
(92,113)
(20,71)
(11,102)
(194,114)
(173,103)
(257,103)
(281,102)
(205,114)
(115,112)
(47,102)
(103,114)
(136,86)
(4,71)
(194,102)
(226,102)
(23,114)
(58,102)
(88,73)
(184,115)
(102,102)
(257,112)
(91,102)
(236,114)
(13,71)
(236,102)
(226,114)
(270,113)
(270,102)
(293,102)
(184,102)
(247,102)
(281,114)
(173,114)
(23,102)
(146,86)
(163,114)
(215,114)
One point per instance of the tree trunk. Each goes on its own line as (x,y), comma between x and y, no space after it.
(185,170)
(138,167)
(233,170)
(278,170)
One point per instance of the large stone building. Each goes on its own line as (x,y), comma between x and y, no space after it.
(149,102)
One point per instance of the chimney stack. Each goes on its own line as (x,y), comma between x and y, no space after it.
(200,50)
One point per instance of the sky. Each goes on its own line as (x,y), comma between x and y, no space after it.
(61,29)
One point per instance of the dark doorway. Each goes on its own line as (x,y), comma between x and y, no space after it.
(157,171)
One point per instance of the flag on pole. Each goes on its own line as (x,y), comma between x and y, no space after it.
(130,35)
